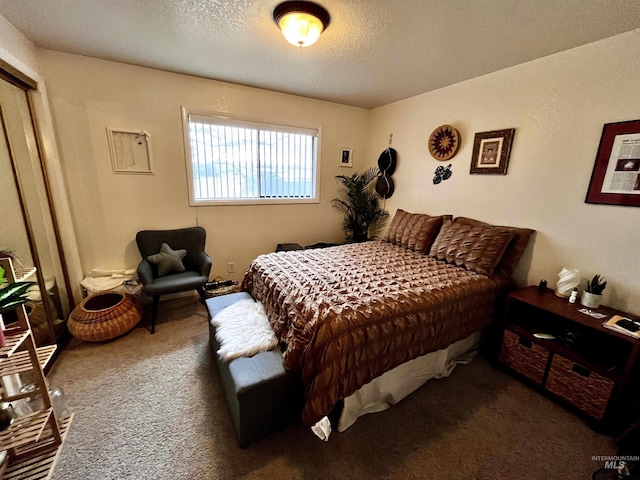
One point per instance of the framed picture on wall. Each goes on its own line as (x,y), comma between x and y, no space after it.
(615,179)
(130,151)
(346,157)
(491,151)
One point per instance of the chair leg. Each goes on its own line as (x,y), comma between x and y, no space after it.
(203,295)
(154,311)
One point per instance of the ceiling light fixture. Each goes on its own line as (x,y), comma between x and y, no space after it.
(301,22)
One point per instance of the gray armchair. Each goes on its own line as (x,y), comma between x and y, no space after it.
(197,264)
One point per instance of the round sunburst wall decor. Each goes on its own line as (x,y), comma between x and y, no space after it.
(444,142)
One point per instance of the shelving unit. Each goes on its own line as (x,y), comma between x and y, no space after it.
(585,366)
(33,440)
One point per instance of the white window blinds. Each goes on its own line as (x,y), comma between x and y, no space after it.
(233,160)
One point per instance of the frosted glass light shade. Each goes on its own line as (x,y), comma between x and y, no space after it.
(568,279)
(301,29)
(301,22)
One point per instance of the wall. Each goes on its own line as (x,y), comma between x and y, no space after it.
(558,106)
(89,95)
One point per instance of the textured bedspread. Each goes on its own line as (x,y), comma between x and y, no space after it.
(344,315)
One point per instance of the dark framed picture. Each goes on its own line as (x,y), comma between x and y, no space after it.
(491,151)
(615,179)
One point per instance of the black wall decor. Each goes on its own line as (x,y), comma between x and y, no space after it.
(442,173)
(387,162)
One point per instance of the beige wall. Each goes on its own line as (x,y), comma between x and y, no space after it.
(89,95)
(558,106)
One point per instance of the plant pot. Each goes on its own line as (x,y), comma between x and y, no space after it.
(590,300)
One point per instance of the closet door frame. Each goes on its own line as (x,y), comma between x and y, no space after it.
(28,86)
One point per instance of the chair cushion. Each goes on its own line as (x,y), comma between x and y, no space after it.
(192,239)
(168,260)
(175,283)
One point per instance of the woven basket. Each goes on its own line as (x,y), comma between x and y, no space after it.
(104,315)
(579,386)
(524,356)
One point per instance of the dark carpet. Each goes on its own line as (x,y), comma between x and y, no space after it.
(152,407)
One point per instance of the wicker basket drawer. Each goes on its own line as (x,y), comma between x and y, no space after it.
(525,357)
(581,387)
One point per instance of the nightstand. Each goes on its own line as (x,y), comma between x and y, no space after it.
(287,247)
(585,366)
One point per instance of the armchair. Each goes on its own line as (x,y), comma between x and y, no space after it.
(197,264)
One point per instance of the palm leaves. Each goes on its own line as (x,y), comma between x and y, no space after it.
(363,217)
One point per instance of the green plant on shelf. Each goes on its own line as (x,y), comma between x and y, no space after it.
(596,285)
(13,295)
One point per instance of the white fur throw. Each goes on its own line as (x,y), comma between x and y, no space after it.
(242,330)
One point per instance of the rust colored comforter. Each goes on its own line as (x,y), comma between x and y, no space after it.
(344,315)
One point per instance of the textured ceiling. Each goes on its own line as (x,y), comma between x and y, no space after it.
(374,52)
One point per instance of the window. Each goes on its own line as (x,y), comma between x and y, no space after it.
(232,161)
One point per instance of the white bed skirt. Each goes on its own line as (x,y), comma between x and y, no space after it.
(392,386)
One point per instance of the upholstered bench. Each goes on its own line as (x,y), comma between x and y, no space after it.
(262,396)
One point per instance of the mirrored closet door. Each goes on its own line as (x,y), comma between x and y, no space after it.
(28,231)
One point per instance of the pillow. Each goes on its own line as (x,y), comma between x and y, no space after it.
(475,248)
(420,233)
(394,234)
(515,249)
(168,260)
(414,231)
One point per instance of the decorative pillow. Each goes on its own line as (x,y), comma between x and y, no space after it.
(515,249)
(414,231)
(473,247)
(394,234)
(420,233)
(168,260)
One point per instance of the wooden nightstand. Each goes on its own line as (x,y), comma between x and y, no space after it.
(288,247)
(586,366)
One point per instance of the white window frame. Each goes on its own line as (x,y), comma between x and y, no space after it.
(236,120)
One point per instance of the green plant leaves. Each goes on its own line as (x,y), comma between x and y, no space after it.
(363,216)
(14,295)
(596,285)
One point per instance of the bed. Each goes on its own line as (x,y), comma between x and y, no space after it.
(347,314)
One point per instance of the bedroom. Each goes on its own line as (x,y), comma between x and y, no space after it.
(558,105)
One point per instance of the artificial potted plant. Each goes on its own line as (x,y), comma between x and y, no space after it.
(592,296)
(11,297)
(363,216)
